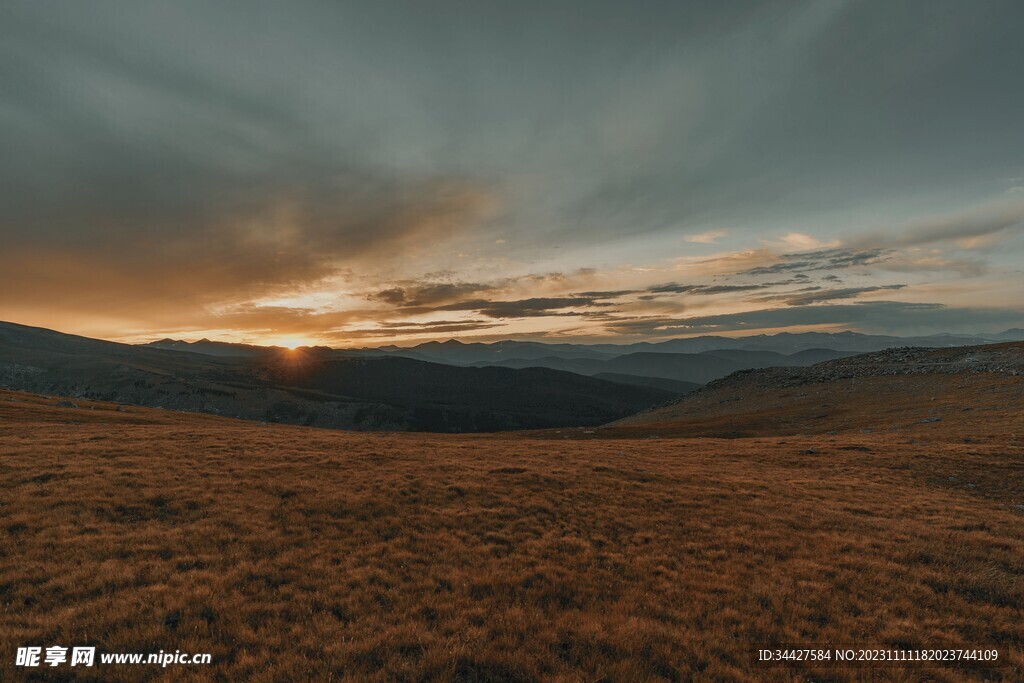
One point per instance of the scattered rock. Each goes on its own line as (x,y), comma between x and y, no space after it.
(64,403)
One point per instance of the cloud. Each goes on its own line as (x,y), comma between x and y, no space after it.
(150,277)
(523,308)
(802,241)
(173,167)
(608,294)
(413,296)
(426,294)
(980,241)
(726,263)
(932,261)
(825,259)
(395,295)
(976,226)
(280,320)
(675,288)
(812,295)
(709,237)
(393,330)
(890,317)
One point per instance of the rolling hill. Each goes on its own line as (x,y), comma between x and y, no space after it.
(974,392)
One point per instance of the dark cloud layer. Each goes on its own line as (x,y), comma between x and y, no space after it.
(826,259)
(171,165)
(673,288)
(442,327)
(425,294)
(876,316)
(523,308)
(813,295)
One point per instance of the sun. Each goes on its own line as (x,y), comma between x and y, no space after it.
(292,344)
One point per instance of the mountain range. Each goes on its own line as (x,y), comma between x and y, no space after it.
(454,351)
(314,386)
(687,363)
(437,386)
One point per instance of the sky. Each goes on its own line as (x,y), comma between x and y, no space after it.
(376,172)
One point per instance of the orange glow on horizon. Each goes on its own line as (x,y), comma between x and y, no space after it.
(292,344)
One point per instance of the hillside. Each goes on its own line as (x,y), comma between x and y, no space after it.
(966,392)
(682,367)
(673,385)
(292,553)
(214,348)
(314,386)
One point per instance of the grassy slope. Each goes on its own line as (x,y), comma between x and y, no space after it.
(298,554)
(981,406)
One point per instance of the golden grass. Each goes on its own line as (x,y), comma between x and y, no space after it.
(301,554)
(984,407)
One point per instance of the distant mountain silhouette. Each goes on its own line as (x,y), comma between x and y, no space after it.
(312,386)
(697,368)
(214,348)
(692,360)
(785,343)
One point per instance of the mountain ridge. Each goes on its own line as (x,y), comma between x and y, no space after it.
(456,351)
(313,386)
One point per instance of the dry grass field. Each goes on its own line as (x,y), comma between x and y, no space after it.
(294,553)
(984,407)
